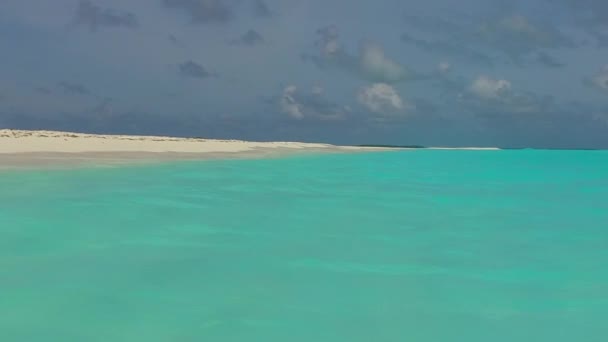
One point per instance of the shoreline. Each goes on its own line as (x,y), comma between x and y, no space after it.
(22,149)
(69,160)
(41,149)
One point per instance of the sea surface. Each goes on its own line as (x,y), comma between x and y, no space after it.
(416,246)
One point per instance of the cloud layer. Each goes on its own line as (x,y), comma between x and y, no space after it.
(477,72)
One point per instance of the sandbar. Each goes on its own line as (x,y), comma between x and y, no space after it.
(55,149)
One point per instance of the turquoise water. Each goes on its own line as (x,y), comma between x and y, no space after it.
(395,246)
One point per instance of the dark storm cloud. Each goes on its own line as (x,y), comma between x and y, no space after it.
(202,11)
(260,9)
(94,17)
(194,70)
(249,38)
(73,88)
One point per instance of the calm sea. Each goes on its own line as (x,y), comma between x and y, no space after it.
(393,246)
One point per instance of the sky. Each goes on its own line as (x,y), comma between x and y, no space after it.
(515,73)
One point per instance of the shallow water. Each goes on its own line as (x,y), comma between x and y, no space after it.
(396,246)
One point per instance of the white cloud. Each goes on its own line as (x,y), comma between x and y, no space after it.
(317,90)
(328,42)
(444,67)
(312,105)
(376,65)
(381,98)
(600,79)
(490,89)
(288,103)
(371,63)
(489,96)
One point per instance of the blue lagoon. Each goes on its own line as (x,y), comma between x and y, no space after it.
(417,245)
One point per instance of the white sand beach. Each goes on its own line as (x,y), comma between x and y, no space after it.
(21,148)
(32,149)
